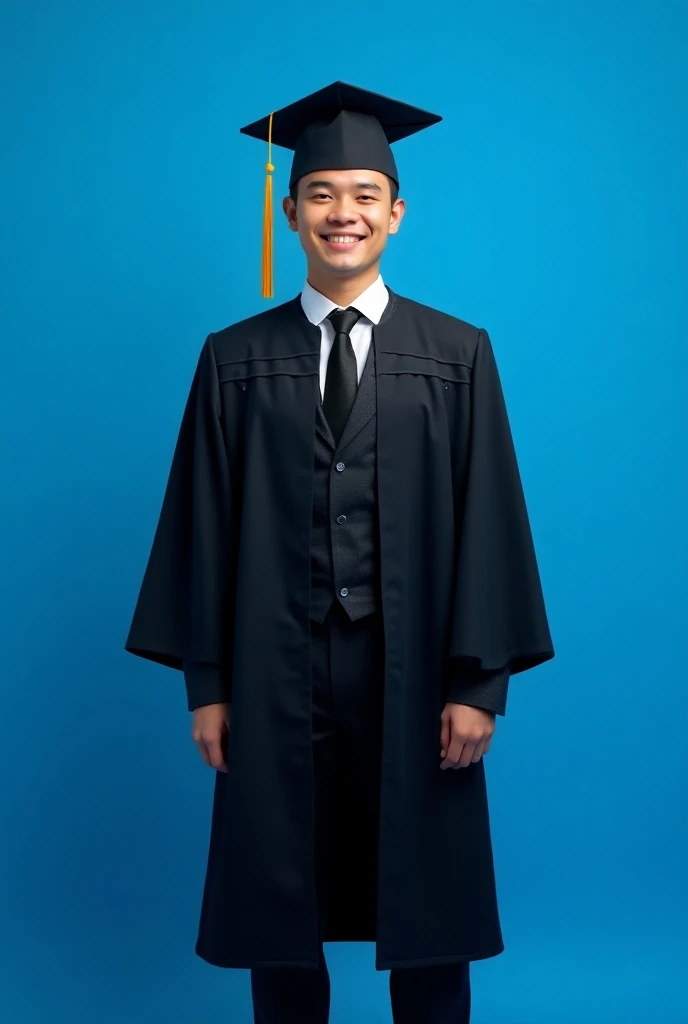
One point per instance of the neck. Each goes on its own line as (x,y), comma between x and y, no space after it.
(342,290)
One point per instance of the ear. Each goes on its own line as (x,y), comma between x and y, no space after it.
(395,217)
(289,207)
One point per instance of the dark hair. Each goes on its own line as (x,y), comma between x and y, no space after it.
(393,188)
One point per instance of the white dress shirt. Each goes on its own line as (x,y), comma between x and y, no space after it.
(317,307)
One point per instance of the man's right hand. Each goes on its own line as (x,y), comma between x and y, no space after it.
(210,731)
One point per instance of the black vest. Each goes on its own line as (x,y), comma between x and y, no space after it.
(344,548)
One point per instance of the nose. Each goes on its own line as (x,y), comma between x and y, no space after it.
(342,211)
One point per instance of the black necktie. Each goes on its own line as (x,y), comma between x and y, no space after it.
(341,380)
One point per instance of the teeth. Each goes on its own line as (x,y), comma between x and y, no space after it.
(342,238)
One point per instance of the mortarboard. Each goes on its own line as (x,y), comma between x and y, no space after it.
(340,127)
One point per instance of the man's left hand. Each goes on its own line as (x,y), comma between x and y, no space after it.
(466,734)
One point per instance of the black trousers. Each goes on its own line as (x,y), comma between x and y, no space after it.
(348,681)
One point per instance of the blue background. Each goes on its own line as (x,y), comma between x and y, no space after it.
(549,207)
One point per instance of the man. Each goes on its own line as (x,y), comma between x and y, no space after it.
(344,560)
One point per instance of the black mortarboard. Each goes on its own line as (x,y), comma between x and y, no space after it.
(340,127)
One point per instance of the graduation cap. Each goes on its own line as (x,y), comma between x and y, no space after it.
(340,127)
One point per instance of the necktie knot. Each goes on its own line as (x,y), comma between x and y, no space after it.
(344,319)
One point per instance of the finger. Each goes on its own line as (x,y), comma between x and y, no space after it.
(197,737)
(452,745)
(217,759)
(202,750)
(466,754)
(445,735)
(453,754)
(478,752)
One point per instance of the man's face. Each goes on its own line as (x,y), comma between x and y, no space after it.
(343,219)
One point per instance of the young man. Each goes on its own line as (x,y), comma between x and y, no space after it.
(344,560)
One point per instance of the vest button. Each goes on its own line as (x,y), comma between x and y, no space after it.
(341,519)
(343,591)
(339,467)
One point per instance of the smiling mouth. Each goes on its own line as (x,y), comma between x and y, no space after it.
(343,239)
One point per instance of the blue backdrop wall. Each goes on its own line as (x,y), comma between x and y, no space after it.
(549,207)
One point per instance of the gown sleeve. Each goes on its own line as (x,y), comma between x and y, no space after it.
(205,684)
(499,624)
(183,613)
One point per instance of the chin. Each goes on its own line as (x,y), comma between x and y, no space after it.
(349,262)
(343,265)
(346,269)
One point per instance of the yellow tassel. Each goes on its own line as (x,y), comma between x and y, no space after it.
(268,283)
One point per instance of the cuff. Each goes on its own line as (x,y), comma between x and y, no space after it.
(205,684)
(486,690)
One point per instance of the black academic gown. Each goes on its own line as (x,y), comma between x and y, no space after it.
(228,583)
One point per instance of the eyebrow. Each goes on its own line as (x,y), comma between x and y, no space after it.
(358,184)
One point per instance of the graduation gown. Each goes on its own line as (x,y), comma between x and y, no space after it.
(228,583)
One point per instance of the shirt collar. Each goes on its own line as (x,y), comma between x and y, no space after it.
(371,303)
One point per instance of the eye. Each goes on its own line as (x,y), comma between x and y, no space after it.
(366,197)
